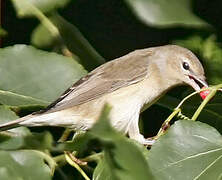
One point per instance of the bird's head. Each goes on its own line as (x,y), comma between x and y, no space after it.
(182,66)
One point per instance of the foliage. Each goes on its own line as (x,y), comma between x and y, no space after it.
(160,13)
(63,49)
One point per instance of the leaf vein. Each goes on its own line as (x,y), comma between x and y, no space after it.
(190,157)
(204,170)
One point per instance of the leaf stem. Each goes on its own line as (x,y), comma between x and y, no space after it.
(59,158)
(213,91)
(48,24)
(42,18)
(187,97)
(65,135)
(166,122)
(177,110)
(93,157)
(69,159)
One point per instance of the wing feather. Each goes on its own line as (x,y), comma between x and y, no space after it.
(107,78)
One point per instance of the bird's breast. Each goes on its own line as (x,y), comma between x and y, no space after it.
(127,103)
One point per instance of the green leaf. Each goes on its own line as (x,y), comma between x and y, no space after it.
(74,40)
(7,115)
(3,32)
(189,150)
(11,139)
(103,170)
(102,128)
(120,154)
(23,165)
(33,77)
(42,38)
(41,141)
(13,99)
(165,13)
(80,143)
(23,6)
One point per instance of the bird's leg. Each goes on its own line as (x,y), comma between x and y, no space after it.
(65,135)
(134,133)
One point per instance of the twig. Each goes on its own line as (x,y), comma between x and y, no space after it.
(177,110)
(213,91)
(166,123)
(65,135)
(59,158)
(187,97)
(93,157)
(71,160)
(203,104)
(48,25)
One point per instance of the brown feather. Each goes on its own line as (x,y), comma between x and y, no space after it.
(107,78)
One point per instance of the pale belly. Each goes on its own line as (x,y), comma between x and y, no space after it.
(126,106)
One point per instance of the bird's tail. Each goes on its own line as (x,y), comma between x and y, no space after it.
(43,119)
(14,123)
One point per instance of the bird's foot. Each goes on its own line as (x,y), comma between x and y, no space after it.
(150,141)
(146,142)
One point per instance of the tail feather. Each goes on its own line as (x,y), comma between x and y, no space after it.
(13,124)
(49,119)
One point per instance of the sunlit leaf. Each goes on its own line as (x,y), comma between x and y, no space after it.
(23,6)
(189,150)
(33,77)
(165,13)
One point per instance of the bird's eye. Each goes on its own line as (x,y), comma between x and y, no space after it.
(186,66)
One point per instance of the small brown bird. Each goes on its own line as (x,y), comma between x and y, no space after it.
(128,84)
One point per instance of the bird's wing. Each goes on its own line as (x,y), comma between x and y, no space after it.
(107,78)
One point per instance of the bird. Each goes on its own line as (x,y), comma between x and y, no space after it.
(128,84)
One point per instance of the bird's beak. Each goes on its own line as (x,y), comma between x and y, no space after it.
(197,82)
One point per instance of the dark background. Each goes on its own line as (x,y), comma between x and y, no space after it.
(111,27)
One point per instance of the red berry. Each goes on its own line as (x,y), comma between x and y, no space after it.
(204,93)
